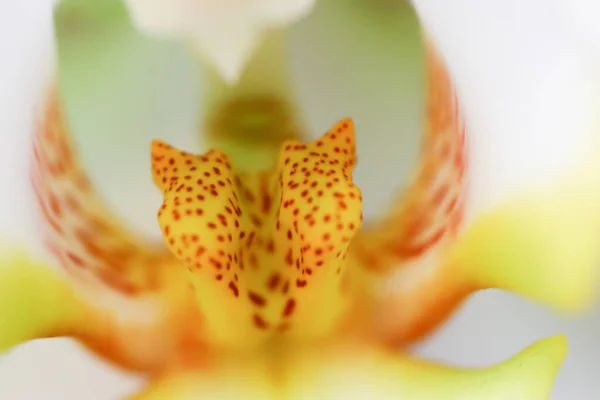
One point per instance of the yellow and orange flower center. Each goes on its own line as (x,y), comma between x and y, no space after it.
(266,251)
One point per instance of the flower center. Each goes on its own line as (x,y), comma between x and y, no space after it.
(266,251)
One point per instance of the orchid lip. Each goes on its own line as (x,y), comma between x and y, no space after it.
(269,247)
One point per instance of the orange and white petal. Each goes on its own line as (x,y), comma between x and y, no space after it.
(139,304)
(401,253)
(267,251)
(224,32)
(91,239)
(365,374)
(27,69)
(123,278)
(86,239)
(361,372)
(398,253)
(500,205)
(532,221)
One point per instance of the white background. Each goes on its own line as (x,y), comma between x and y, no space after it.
(489,328)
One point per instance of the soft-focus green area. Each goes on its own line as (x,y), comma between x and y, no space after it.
(347,59)
(122,89)
(365,60)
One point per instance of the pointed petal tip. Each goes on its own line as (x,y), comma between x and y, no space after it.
(229,69)
(531,373)
(348,124)
(347,134)
(159,150)
(554,347)
(528,375)
(230,57)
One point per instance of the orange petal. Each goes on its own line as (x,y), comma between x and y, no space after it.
(400,253)
(82,234)
(267,251)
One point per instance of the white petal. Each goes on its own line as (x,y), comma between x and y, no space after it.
(225,32)
(230,51)
(527,95)
(27,44)
(581,17)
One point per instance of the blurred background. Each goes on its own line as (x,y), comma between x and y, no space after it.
(361,60)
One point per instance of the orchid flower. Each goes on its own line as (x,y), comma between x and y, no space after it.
(264,279)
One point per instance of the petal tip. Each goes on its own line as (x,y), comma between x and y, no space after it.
(528,375)
(229,57)
(535,368)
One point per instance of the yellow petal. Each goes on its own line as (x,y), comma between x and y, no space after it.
(527,376)
(267,251)
(357,372)
(247,379)
(35,302)
(542,243)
